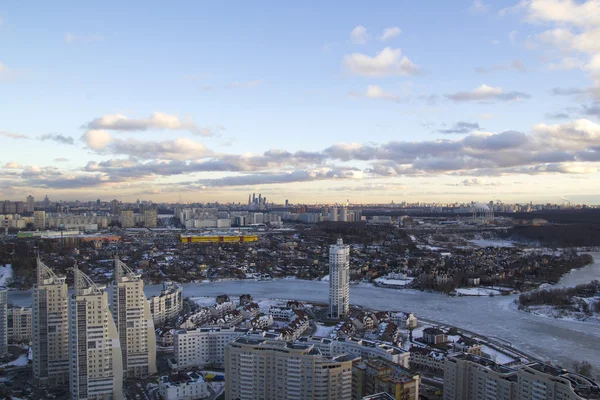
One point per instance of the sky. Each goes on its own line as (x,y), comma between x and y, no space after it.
(431,101)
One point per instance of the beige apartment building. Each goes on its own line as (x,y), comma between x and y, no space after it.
(468,376)
(127,220)
(131,312)
(3,323)
(19,325)
(50,327)
(96,368)
(168,304)
(273,370)
(150,218)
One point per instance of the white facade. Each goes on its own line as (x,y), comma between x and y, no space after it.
(19,325)
(190,386)
(96,367)
(168,304)
(360,347)
(131,313)
(3,321)
(50,327)
(202,346)
(339,279)
(272,369)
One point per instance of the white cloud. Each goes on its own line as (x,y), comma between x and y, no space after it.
(479,7)
(157,120)
(97,139)
(12,165)
(359,35)
(388,62)
(584,14)
(485,93)
(376,92)
(389,33)
(567,63)
(243,85)
(76,38)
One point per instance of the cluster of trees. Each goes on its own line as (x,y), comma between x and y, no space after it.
(560,297)
(558,235)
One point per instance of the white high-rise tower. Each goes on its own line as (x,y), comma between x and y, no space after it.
(3,321)
(339,279)
(96,366)
(50,327)
(131,312)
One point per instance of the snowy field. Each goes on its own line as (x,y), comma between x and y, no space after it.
(394,282)
(323,331)
(492,243)
(477,291)
(5,274)
(497,356)
(19,362)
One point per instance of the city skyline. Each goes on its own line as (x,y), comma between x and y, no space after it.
(472,100)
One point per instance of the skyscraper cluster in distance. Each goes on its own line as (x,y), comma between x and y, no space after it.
(87,340)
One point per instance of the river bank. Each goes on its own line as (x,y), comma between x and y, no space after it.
(559,341)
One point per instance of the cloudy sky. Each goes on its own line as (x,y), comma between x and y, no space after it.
(309,101)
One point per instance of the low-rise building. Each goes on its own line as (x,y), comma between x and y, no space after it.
(375,375)
(434,336)
(180,386)
(426,358)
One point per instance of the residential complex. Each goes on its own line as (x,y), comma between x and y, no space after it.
(183,386)
(373,376)
(273,369)
(96,367)
(339,279)
(39,220)
(471,377)
(131,313)
(168,304)
(3,321)
(50,327)
(203,346)
(150,218)
(127,219)
(19,324)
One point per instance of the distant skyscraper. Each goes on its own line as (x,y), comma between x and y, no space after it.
(95,353)
(127,220)
(3,321)
(287,203)
(150,218)
(131,312)
(333,214)
(30,204)
(50,324)
(339,279)
(39,219)
(114,207)
(46,201)
(253,198)
(343,214)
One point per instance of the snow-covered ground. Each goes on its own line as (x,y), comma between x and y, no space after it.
(477,291)
(19,362)
(5,274)
(204,301)
(394,282)
(323,331)
(325,278)
(552,312)
(497,356)
(492,243)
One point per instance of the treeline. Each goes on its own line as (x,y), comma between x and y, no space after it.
(580,235)
(560,297)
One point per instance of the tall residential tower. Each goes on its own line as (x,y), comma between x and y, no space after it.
(339,279)
(95,352)
(50,324)
(3,321)
(131,312)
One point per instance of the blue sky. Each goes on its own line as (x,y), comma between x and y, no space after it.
(232,80)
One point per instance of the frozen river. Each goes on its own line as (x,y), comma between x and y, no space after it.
(560,341)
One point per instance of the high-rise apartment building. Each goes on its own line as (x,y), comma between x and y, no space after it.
(3,321)
(202,346)
(50,327)
(39,219)
(168,304)
(114,207)
(471,377)
(30,204)
(127,220)
(19,324)
(273,369)
(333,214)
(131,312)
(339,279)
(96,368)
(150,218)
